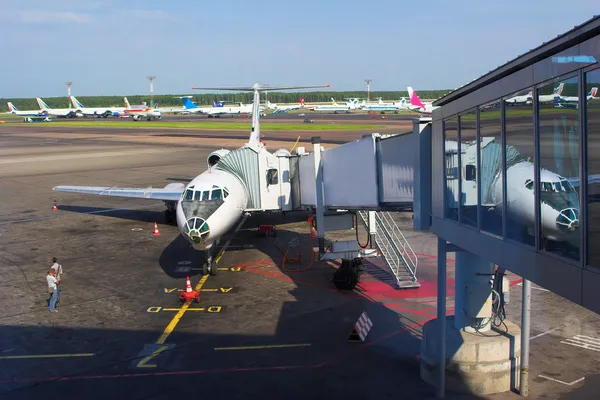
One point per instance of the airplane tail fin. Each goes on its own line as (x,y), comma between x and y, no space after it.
(76,103)
(127,105)
(12,108)
(42,104)
(559,89)
(333,103)
(302,102)
(414,99)
(187,103)
(593,92)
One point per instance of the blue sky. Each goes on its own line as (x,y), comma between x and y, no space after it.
(108,47)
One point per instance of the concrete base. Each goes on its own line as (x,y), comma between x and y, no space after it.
(479,364)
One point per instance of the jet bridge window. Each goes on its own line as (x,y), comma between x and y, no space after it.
(272,177)
(470,173)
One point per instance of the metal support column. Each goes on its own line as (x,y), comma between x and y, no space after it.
(316,140)
(525,322)
(372,229)
(441,316)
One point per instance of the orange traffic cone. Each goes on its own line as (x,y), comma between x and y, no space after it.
(54,206)
(156,232)
(189,294)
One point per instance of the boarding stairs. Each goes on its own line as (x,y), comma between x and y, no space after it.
(395,250)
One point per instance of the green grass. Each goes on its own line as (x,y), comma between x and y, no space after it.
(241,126)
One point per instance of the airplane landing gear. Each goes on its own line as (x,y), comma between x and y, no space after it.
(170,214)
(348,274)
(209,266)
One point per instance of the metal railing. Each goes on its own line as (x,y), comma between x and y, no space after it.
(394,248)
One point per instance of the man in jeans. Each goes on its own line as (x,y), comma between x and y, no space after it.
(52,288)
(58,273)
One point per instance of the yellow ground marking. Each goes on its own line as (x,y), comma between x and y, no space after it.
(142,363)
(273,346)
(178,316)
(179,309)
(46,356)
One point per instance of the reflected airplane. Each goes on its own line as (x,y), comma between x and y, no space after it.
(236,183)
(560,200)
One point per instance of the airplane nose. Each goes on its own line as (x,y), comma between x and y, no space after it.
(196,230)
(568,219)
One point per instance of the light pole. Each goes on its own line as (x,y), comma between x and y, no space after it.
(368,82)
(69,91)
(151,78)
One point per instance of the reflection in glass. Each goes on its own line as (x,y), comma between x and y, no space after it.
(593,167)
(468,150)
(451,154)
(559,162)
(490,147)
(520,168)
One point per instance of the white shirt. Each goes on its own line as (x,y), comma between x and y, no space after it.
(51,282)
(58,268)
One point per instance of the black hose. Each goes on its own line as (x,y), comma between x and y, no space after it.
(356,229)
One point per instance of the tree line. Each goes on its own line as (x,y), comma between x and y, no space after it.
(166,100)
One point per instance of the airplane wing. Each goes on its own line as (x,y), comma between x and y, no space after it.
(171,192)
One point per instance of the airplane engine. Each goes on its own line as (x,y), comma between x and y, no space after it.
(215,156)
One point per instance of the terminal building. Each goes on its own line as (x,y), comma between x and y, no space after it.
(516,166)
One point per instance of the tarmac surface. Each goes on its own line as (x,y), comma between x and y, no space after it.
(259,330)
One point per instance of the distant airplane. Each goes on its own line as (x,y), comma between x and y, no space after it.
(96,111)
(218,109)
(415,104)
(382,106)
(58,112)
(29,113)
(575,99)
(351,104)
(141,112)
(283,109)
(236,183)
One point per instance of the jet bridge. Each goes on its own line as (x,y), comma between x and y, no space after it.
(368,178)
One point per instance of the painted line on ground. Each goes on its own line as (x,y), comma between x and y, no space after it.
(559,381)
(34,356)
(533,287)
(545,333)
(272,346)
(163,337)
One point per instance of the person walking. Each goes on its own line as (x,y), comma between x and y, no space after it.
(52,287)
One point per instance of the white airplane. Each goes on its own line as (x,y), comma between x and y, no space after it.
(382,106)
(560,201)
(351,104)
(58,112)
(283,109)
(96,111)
(140,112)
(236,183)
(543,98)
(575,99)
(29,113)
(415,104)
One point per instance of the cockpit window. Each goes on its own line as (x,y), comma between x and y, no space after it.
(197,195)
(225,193)
(189,193)
(205,195)
(529,184)
(217,194)
(558,187)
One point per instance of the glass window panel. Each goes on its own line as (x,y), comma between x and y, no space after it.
(520,167)
(225,193)
(559,159)
(490,153)
(189,194)
(205,195)
(468,154)
(216,194)
(593,167)
(451,154)
(197,195)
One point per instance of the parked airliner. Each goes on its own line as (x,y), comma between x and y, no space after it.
(58,112)
(236,183)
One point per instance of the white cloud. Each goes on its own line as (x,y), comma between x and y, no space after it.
(53,17)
